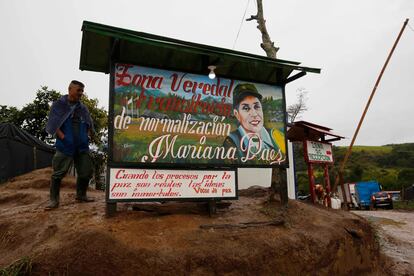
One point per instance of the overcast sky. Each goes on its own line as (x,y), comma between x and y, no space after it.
(349,40)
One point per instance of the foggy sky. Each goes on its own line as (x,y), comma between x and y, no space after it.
(348,40)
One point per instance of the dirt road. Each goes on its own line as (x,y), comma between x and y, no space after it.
(396,236)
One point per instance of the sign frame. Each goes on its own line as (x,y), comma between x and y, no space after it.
(109,200)
(112,163)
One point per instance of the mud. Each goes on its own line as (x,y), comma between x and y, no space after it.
(395,232)
(77,238)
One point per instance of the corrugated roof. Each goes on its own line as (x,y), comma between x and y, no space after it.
(303,130)
(100,43)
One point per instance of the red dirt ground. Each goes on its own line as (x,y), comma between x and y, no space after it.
(77,238)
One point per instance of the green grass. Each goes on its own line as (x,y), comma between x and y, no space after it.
(372,149)
(22,266)
(386,174)
(404,205)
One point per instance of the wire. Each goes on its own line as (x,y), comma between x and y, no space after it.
(409,26)
(241,23)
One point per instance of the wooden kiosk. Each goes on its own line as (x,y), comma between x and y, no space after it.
(317,151)
(172,113)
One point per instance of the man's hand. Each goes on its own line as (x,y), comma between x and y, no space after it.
(60,134)
(91,134)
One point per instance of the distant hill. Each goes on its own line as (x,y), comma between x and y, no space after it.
(391,165)
(128,90)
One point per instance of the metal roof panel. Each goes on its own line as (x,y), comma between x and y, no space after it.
(100,43)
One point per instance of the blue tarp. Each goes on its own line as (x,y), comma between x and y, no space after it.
(364,191)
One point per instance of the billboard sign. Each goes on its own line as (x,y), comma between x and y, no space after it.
(169,117)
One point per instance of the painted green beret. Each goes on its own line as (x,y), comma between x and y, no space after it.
(242,90)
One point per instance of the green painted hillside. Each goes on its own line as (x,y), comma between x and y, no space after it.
(390,165)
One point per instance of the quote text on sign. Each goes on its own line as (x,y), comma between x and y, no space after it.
(159,184)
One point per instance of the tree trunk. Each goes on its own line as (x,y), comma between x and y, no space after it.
(279,185)
(279,179)
(267,44)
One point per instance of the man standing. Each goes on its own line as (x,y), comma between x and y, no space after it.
(71,124)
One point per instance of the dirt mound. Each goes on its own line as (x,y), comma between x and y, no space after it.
(37,179)
(18,198)
(77,239)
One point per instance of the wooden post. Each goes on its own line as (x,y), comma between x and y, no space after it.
(212,208)
(279,185)
(110,209)
(341,181)
(34,159)
(361,120)
(311,183)
(283,191)
(327,185)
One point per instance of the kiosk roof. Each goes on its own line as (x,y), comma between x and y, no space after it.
(101,43)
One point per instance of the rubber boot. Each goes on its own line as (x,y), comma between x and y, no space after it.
(54,194)
(78,189)
(81,188)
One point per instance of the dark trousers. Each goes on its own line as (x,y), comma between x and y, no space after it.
(61,164)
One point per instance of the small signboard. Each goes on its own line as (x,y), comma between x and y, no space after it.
(126,184)
(318,152)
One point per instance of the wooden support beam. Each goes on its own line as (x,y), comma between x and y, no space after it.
(295,77)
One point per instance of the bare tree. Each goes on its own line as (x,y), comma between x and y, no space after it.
(294,110)
(267,44)
(279,181)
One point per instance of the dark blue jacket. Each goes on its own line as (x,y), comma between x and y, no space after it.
(60,117)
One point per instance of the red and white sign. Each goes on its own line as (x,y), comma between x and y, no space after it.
(317,152)
(130,184)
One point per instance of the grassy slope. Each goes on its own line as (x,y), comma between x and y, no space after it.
(373,149)
(382,163)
